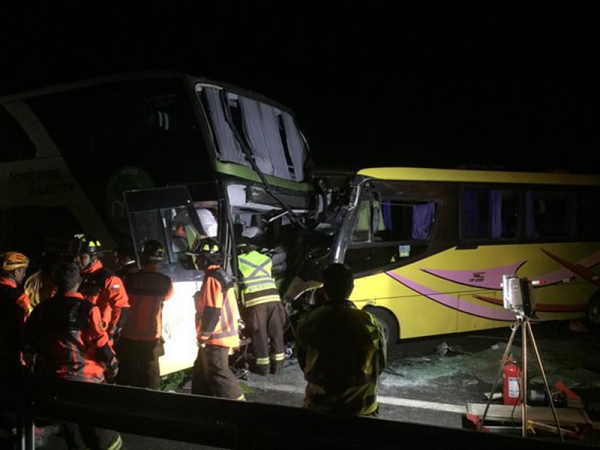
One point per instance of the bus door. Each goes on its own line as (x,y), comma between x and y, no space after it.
(168,216)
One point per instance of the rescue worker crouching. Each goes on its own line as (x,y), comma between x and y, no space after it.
(99,284)
(264,313)
(341,350)
(217,322)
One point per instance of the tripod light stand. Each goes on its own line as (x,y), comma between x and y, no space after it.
(517,297)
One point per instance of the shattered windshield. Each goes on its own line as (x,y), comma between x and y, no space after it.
(271,134)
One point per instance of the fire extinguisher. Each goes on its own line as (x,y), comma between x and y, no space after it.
(511,392)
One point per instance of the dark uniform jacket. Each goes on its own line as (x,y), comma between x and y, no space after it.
(68,339)
(342,352)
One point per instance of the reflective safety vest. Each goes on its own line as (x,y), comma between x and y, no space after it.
(217,313)
(258,284)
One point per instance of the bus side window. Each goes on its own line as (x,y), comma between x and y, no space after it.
(553,214)
(402,227)
(406,221)
(489,213)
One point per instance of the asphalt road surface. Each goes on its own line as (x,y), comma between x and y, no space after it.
(432,381)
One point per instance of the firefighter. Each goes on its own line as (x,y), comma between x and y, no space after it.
(99,284)
(264,314)
(64,338)
(217,322)
(341,350)
(14,308)
(141,344)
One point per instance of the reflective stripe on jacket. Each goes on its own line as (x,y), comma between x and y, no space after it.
(259,286)
(217,313)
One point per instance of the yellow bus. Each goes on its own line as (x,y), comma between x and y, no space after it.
(153,155)
(429,247)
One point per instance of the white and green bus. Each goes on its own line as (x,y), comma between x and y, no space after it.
(196,157)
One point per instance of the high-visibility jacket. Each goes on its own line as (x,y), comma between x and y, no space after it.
(342,352)
(147,290)
(259,286)
(102,287)
(68,337)
(217,313)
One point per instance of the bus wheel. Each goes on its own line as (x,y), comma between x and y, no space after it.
(592,316)
(389,325)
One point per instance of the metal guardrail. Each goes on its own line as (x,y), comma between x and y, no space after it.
(239,425)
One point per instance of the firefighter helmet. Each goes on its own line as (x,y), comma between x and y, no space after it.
(210,249)
(10,261)
(153,250)
(82,244)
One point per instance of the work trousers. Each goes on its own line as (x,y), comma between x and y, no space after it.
(212,375)
(138,362)
(265,323)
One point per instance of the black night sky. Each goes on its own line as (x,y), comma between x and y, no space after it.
(372,83)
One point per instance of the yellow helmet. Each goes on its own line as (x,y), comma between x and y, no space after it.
(81,244)
(10,261)
(210,249)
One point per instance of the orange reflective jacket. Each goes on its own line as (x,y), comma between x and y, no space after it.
(217,313)
(147,290)
(103,288)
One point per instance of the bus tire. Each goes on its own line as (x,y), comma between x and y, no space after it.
(389,325)
(592,315)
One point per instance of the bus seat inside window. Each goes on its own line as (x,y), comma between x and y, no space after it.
(208,221)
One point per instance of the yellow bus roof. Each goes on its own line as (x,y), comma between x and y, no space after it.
(478,176)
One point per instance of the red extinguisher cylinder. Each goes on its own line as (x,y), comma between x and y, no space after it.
(511,392)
